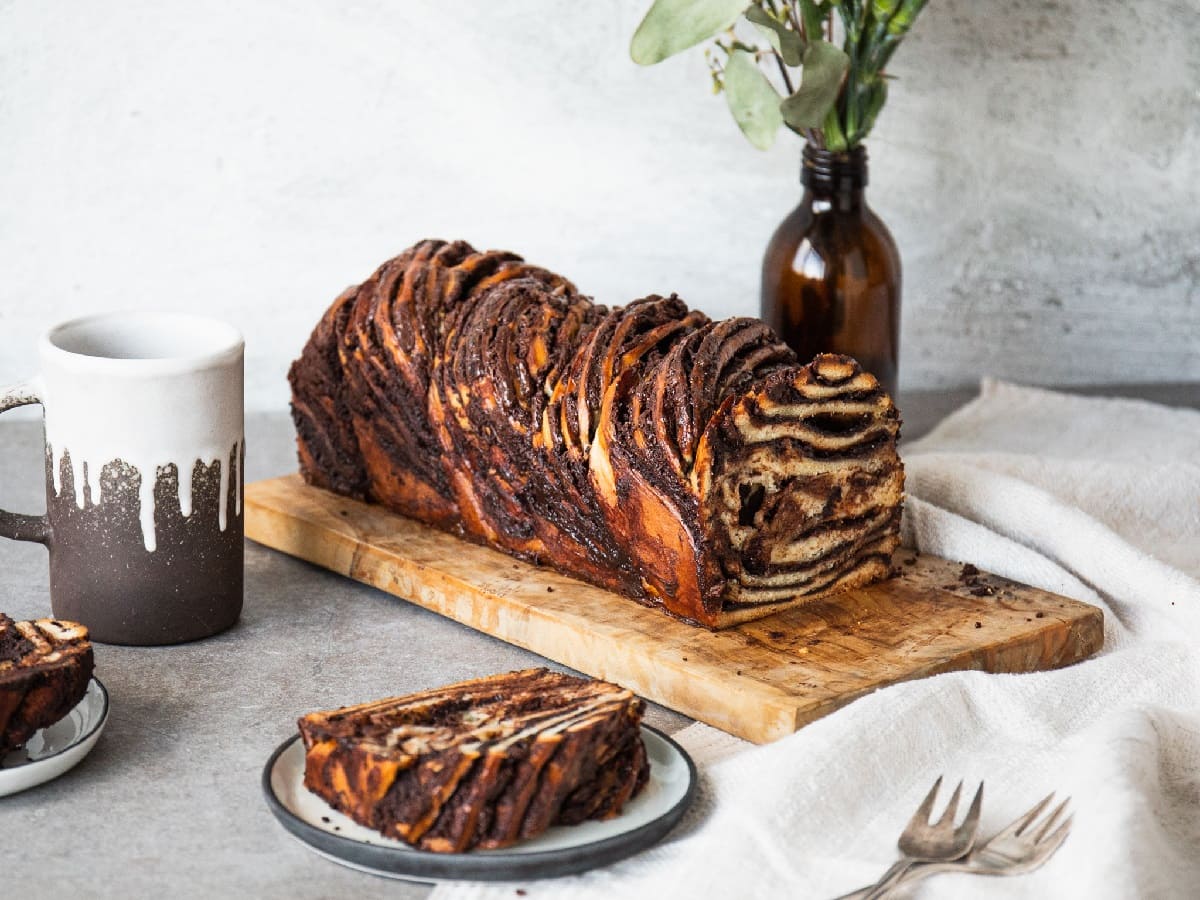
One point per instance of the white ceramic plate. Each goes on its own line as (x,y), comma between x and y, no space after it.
(57,748)
(561,850)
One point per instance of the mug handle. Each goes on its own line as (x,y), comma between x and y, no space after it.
(15,525)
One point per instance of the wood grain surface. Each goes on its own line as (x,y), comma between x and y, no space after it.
(760,680)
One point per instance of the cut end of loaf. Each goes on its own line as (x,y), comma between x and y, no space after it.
(802,488)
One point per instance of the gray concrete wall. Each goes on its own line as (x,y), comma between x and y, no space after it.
(1039,164)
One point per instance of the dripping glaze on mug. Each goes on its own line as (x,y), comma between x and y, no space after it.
(76,458)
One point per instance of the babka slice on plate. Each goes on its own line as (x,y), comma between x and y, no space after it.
(480,764)
(45,666)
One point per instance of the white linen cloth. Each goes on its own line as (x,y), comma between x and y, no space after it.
(1098,499)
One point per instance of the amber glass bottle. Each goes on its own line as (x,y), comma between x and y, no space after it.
(831,275)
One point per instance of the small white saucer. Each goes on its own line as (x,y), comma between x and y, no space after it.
(57,748)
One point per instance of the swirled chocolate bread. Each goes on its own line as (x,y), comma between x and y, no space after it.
(481,763)
(45,666)
(690,464)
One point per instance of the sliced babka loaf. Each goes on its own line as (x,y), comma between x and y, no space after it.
(45,666)
(690,464)
(481,763)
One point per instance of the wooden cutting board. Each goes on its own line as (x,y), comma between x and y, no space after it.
(761,680)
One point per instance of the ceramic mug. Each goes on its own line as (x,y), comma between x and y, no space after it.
(144,454)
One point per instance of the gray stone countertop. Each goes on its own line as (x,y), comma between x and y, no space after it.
(168,803)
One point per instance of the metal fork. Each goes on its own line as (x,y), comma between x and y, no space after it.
(926,842)
(1021,847)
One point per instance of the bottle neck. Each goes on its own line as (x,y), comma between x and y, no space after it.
(834,180)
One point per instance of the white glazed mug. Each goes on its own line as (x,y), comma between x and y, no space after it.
(144,457)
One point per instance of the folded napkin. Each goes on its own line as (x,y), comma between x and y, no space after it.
(1098,499)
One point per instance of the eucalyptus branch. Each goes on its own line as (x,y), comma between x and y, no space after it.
(794,17)
(783,71)
(809,134)
(830,56)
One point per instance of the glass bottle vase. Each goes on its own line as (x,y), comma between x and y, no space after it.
(831,273)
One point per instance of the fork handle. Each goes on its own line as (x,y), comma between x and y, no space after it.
(914,871)
(885,883)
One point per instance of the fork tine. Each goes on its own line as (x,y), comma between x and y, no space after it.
(951,808)
(1060,834)
(1039,854)
(921,816)
(1045,827)
(1045,849)
(971,823)
(1015,828)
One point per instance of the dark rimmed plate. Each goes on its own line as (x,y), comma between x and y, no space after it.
(562,850)
(58,747)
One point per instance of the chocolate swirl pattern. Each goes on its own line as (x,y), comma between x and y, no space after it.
(480,764)
(689,464)
(45,666)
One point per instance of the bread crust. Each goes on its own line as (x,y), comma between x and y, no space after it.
(692,465)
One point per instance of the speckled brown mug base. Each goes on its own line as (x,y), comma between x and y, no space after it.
(101,573)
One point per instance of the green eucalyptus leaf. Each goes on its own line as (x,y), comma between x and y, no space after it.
(835,138)
(752,100)
(787,43)
(904,17)
(872,96)
(760,16)
(876,31)
(813,16)
(824,67)
(674,25)
(883,10)
(874,105)
(888,33)
(849,12)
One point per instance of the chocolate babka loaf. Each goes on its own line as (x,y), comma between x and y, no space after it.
(45,666)
(690,464)
(481,763)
